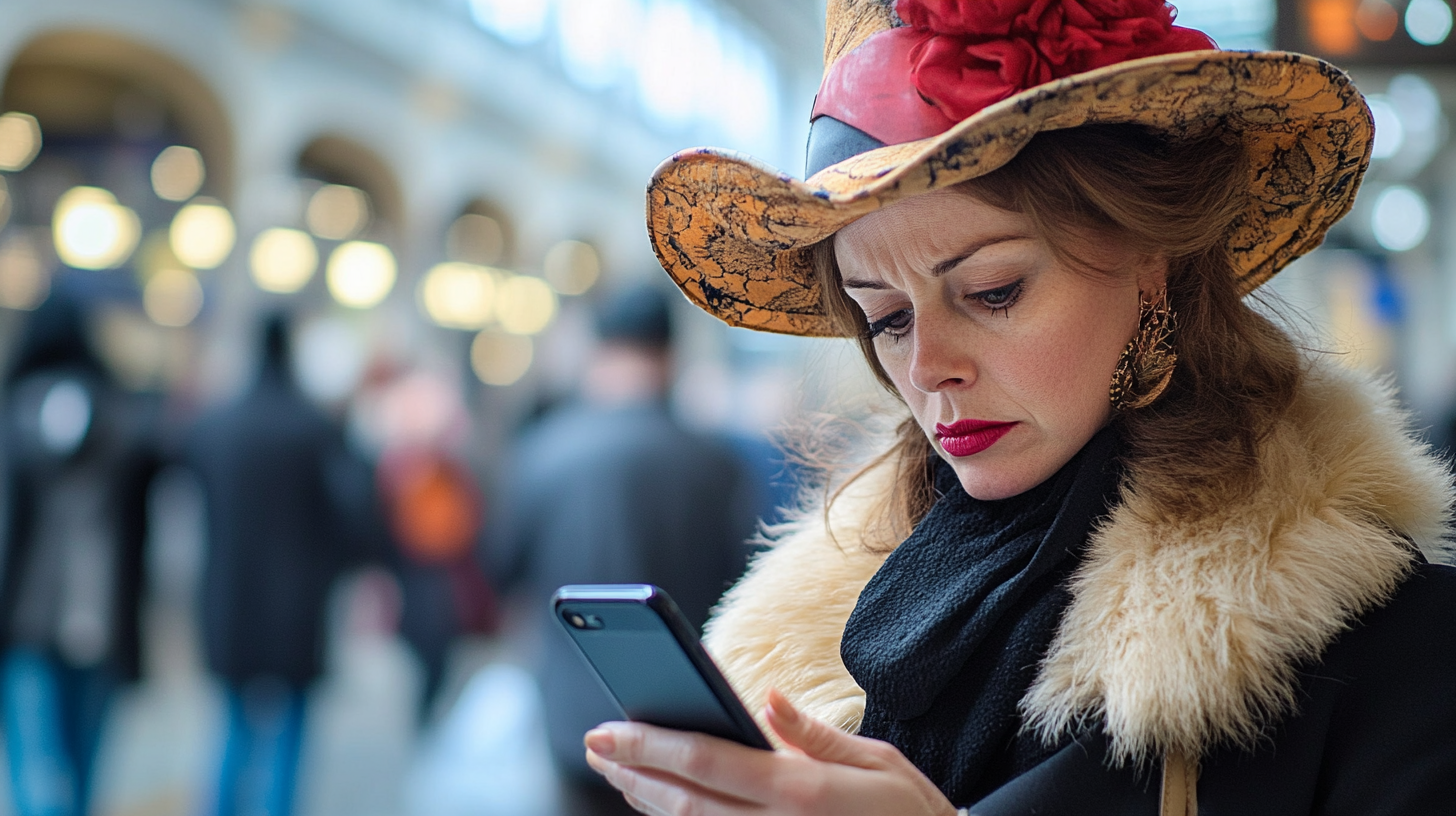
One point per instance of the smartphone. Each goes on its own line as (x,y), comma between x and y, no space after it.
(650,661)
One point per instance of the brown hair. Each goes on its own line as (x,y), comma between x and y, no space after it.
(1237,372)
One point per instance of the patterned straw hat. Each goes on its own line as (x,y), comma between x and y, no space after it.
(922,94)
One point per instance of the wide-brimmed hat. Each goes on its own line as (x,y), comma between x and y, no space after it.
(919,95)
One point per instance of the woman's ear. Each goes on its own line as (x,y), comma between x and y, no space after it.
(1152,273)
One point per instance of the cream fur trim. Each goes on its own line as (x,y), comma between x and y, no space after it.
(780,626)
(1185,632)
(1182,632)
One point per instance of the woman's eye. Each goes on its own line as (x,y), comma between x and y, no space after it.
(895,324)
(1001,298)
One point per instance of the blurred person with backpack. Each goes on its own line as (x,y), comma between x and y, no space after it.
(412,421)
(434,510)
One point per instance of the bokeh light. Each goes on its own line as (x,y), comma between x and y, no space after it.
(695,68)
(1235,25)
(282,260)
(360,274)
(746,109)
(203,234)
(1332,26)
(672,52)
(337,212)
(1428,22)
(140,353)
(1377,20)
(459,295)
(154,254)
(172,297)
(477,239)
(519,22)
(572,267)
(525,305)
(24,279)
(92,231)
(178,173)
(688,64)
(500,359)
(1389,131)
(597,39)
(19,141)
(1410,129)
(1400,219)
(1417,101)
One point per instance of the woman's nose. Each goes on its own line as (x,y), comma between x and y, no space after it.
(939,360)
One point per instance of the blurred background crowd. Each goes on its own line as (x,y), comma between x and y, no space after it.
(332,343)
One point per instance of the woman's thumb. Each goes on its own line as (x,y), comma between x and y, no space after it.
(811,737)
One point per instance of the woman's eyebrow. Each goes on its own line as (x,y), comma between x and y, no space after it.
(944,266)
(951,263)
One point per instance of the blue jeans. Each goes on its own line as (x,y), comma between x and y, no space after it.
(264,736)
(54,714)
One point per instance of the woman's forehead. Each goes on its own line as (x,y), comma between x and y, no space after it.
(926,229)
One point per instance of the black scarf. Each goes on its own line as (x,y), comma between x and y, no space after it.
(946,637)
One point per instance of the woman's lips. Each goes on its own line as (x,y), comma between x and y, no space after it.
(968,437)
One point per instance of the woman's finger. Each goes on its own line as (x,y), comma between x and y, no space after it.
(726,769)
(656,792)
(824,743)
(818,740)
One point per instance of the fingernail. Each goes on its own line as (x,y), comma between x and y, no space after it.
(596,763)
(601,742)
(780,707)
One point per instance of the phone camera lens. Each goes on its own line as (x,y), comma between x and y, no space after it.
(581,620)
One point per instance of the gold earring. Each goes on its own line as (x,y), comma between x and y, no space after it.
(1146,365)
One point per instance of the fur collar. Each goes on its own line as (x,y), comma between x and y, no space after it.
(1182,632)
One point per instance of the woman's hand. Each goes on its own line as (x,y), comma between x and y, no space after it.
(824,771)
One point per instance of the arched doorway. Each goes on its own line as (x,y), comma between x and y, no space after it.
(125,201)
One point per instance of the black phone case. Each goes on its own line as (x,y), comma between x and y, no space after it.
(648,658)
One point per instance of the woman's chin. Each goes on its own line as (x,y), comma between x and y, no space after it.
(1005,470)
(1021,460)
(993,481)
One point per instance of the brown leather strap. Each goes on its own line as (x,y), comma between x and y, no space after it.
(1180,785)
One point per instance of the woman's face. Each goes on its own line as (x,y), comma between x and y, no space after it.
(1003,352)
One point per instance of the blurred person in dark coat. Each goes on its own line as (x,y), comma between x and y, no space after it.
(281,492)
(608,489)
(79,457)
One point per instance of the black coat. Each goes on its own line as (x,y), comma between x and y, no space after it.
(616,495)
(88,488)
(1375,733)
(281,491)
(120,447)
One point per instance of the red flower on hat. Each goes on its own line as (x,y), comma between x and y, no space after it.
(973,53)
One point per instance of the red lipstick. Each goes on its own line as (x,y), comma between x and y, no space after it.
(968,437)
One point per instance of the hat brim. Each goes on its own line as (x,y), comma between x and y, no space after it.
(735,234)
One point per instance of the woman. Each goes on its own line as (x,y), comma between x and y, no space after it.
(1132,551)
